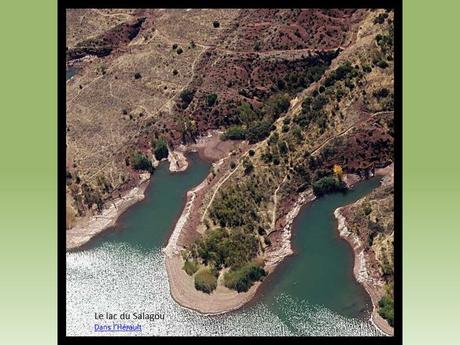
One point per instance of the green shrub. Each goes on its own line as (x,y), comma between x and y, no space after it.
(246,113)
(211,99)
(235,133)
(328,184)
(139,162)
(340,73)
(276,105)
(241,279)
(179,51)
(190,267)
(160,149)
(186,97)
(220,247)
(216,24)
(248,166)
(205,281)
(386,309)
(382,64)
(381,93)
(258,131)
(283,148)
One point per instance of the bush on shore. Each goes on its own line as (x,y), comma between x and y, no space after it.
(328,184)
(234,133)
(160,149)
(205,281)
(139,162)
(243,278)
(190,267)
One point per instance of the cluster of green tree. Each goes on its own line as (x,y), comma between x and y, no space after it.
(328,184)
(160,148)
(139,162)
(187,127)
(254,124)
(386,308)
(237,205)
(242,278)
(211,99)
(247,166)
(386,41)
(299,80)
(276,105)
(225,247)
(344,71)
(205,280)
(186,97)
(312,112)
(258,131)
(234,133)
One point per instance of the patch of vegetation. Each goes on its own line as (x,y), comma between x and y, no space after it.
(234,133)
(237,205)
(381,93)
(386,308)
(248,166)
(258,131)
(242,278)
(190,267)
(216,24)
(317,65)
(225,248)
(140,162)
(91,197)
(211,99)
(160,148)
(186,97)
(205,280)
(276,105)
(342,72)
(179,51)
(137,75)
(328,184)
(380,19)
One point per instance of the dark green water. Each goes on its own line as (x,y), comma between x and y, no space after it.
(321,270)
(148,224)
(311,293)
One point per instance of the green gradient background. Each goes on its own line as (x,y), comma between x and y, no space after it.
(28,150)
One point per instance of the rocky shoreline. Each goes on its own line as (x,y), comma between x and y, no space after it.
(85,231)
(372,285)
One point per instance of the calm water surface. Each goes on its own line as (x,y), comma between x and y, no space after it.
(312,293)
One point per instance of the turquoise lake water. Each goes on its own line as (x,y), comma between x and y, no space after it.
(312,293)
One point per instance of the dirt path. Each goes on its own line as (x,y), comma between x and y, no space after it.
(275,203)
(218,187)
